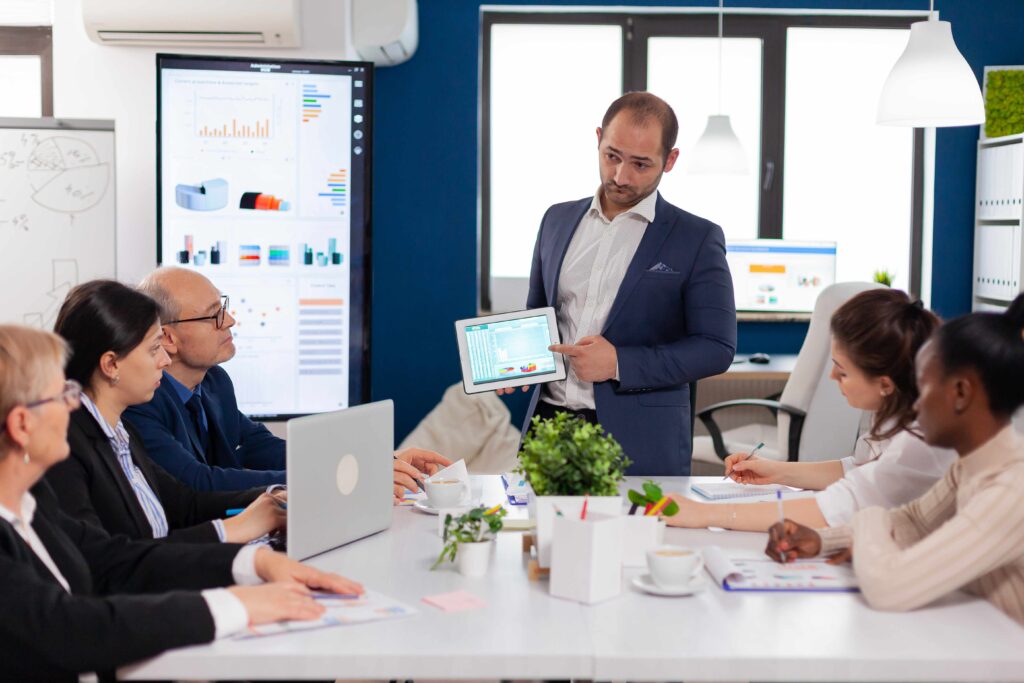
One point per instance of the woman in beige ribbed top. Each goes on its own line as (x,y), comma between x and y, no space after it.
(967,532)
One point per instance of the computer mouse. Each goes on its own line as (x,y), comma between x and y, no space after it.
(760,358)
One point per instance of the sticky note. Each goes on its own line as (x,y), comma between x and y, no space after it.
(456,601)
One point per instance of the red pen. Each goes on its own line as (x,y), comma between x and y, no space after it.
(586,499)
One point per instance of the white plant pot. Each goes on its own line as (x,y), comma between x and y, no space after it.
(542,509)
(474,558)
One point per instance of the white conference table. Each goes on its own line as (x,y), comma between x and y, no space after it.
(525,633)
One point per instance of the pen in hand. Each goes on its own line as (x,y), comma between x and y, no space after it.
(782,523)
(418,482)
(750,455)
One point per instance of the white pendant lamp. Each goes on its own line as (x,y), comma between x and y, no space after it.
(931,85)
(718,150)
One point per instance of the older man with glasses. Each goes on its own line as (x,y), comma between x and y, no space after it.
(192,427)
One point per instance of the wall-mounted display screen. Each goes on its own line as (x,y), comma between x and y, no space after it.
(264,187)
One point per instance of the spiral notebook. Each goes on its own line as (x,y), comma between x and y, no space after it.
(730,489)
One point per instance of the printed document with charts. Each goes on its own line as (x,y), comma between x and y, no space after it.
(341,611)
(735,571)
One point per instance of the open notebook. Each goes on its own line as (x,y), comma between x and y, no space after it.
(746,573)
(730,489)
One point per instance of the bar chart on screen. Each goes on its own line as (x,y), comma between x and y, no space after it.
(257,156)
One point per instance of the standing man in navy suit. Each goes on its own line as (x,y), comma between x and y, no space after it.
(642,291)
(192,426)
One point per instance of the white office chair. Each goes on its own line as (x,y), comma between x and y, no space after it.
(813,420)
(470,427)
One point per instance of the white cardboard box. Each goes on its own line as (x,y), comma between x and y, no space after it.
(543,509)
(640,534)
(586,558)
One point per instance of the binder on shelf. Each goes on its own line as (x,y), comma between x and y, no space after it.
(1001,181)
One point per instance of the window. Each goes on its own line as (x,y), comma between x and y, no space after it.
(833,80)
(26,71)
(729,200)
(801,92)
(546,78)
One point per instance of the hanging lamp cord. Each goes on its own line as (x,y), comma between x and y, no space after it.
(721,11)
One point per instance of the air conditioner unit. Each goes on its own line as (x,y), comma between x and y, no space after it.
(207,23)
(385,32)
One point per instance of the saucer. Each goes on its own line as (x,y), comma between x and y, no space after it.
(645,583)
(425,507)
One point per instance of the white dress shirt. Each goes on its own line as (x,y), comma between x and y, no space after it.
(591,274)
(885,473)
(228,612)
(23,525)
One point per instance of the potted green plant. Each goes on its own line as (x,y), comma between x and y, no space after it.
(468,538)
(884,277)
(648,497)
(567,460)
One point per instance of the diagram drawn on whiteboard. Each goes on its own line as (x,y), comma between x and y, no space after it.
(64,275)
(67,175)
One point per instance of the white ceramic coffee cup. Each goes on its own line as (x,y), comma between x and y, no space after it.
(444,493)
(673,566)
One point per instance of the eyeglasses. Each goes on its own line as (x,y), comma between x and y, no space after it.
(70,396)
(225,301)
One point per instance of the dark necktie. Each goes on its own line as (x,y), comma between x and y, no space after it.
(195,408)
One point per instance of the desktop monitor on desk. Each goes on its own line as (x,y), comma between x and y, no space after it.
(780,276)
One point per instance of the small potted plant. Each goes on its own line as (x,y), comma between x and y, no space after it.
(650,496)
(884,277)
(568,460)
(469,537)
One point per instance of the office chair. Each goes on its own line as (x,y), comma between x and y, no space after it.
(813,420)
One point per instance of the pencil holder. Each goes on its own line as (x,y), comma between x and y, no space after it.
(586,558)
(640,534)
(545,509)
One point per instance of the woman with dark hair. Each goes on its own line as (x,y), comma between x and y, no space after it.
(114,334)
(77,600)
(874,338)
(967,532)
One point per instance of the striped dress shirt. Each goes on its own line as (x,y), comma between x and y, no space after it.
(118,437)
(966,532)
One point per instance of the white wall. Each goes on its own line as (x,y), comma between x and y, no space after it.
(100,82)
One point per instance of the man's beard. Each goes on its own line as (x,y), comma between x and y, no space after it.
(627,195)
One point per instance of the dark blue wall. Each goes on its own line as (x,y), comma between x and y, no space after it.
(425,190)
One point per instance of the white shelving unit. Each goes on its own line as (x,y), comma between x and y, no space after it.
(998,221)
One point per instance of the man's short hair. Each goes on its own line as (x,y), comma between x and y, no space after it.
(153,285)
(643,106)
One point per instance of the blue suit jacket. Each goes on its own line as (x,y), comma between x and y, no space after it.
(673,322)
(242,453)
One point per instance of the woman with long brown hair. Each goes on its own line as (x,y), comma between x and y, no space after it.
(967,531)
(875,336)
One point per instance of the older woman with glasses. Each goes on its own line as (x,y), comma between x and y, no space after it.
(115,336)
(76,600)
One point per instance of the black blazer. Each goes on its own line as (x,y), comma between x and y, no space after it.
(117,611)
(91,486)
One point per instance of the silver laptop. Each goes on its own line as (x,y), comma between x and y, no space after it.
(339,477)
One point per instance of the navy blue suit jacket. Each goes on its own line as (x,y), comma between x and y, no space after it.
(673,321)
(242,453)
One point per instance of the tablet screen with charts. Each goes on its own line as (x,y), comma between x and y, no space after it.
(509,350)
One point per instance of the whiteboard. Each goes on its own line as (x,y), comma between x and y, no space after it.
(57,213)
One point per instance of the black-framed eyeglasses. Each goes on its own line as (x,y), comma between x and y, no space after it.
(225,301)
(70,396)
